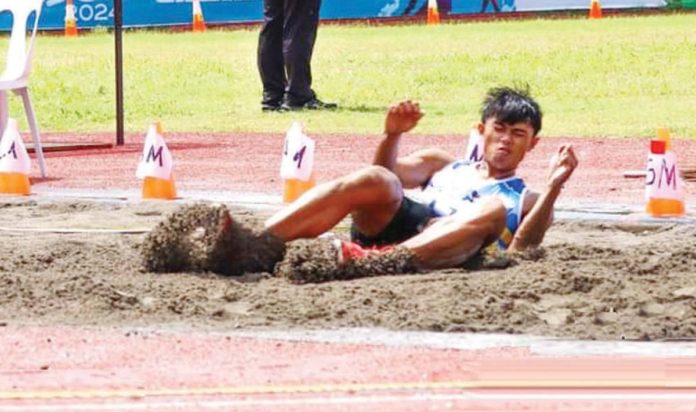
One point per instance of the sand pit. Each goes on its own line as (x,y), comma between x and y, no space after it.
(591,280)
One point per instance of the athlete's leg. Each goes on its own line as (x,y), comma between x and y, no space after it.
(372,194)
(451,240)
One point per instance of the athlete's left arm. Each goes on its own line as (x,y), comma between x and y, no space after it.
(537,213)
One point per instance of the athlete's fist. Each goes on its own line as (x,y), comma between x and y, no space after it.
(562,165)
(402,117)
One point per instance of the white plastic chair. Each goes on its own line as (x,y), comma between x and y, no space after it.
(15,78)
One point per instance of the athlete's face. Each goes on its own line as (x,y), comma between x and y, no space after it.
(506,144)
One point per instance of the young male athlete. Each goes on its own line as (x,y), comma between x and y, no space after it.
(460,208)
(455,209)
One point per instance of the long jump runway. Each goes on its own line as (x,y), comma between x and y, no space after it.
(94,369)
(119,369)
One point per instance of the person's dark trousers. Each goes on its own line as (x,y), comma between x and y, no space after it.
(270,53)
(285,50)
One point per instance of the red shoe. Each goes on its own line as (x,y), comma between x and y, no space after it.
(348,251)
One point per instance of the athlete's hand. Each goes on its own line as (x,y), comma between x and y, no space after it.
(562,166)
(402,117)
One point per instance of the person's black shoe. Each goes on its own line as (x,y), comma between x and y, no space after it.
(311,104)
(271,107)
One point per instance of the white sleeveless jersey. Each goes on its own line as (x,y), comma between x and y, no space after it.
(458,188)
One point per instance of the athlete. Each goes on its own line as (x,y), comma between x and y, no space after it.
(455,209)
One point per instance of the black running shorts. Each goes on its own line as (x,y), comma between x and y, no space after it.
(408,221)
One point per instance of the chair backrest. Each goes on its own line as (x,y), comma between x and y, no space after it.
(19,53)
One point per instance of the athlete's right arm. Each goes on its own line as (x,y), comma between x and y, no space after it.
(401,118)
(415,169)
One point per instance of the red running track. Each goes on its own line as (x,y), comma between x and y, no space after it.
(69,369)
(251,162)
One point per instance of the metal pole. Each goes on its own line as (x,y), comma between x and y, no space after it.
(118,43)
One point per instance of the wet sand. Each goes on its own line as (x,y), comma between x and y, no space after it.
(590,280)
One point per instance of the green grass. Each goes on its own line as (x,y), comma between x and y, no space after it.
(612,77)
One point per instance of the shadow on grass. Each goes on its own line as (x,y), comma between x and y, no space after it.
(363,109)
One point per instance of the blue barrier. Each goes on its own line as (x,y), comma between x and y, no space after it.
(149,13)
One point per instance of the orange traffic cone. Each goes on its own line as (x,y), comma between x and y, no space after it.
(155,188)
(156,166)
(663,190)
(663,134)
(70,21)
(294,188)
(595,10)
(297,163)
(433,13)
(14,184)
(14,162)
(198,22)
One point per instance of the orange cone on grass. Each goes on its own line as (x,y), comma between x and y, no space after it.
(70,20)
(15,164)
(663,186)
(198,22)
(156,166)
(297,163)
(595,10)
(433,13)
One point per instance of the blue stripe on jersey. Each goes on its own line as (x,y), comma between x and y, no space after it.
(510,192)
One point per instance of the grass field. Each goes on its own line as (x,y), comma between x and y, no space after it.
(612,77)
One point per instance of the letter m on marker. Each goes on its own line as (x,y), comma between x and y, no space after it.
(155,155)
(670,175)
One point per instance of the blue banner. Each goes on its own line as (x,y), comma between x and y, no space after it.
(149,13)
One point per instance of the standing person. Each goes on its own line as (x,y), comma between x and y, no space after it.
(484,5)
(459,209)
(285,50)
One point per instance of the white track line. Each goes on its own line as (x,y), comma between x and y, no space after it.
(144,404)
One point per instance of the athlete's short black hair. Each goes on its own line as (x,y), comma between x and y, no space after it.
(511,105)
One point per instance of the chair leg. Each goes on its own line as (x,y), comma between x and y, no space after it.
(4,111)
(29,110)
